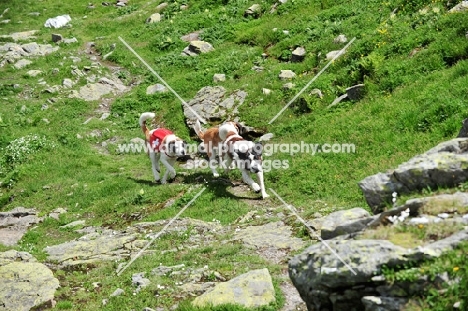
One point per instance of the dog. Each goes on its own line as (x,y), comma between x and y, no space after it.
(163,146)
(224,144)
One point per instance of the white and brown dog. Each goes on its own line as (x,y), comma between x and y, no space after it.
(163,146)
(225,146)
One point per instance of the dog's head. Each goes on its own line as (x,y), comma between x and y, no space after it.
(248,155)
(177,148)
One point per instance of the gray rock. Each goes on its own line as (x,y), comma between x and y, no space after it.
(154,18)
(288,86)
(200,47)
(161,7)
(276,235)
(22,63)
(156,88)
(333,54)
(340,39)
(74,224)
(95,91)
(255,10)
(34,73)
(117,292)
(460,7)
(317,271)
(24,35)
(31,48)
(193,36)
(441,166)
(464,130)
(266,91)
(343,222)
(68,83)
(316,92)
(374,303)
(250,290)
(91,248)
(70,40)
(139,280)
(437,248)
(211,104)
(219,77)
(26,283)
(355,92)
(14,224)
(298,54)
(56,37)
(286,75)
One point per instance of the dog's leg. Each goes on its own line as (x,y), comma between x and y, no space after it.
(228,164)
(170,171)
(249,181)
(213,163)
(154,157)
(262,185)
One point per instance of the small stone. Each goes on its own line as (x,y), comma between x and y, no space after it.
(70,40)
(219,77)
(104,116)
(161,6)
(340,39)
(288,86)
(68,83)
(154,18)
(286,75)
(22,63)
(456,305)
(56,37)
(255,10)
(117,292)
(298,54)
(333,54)
(266,91)
(34,73)
(156,88)
(443,215)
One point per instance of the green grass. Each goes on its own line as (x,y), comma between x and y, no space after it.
(411,103)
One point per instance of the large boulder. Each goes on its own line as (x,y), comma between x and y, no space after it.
(317,271)
(342,222)
(251,290)
(26,283)
(445,165)
(15,223)
(212,104)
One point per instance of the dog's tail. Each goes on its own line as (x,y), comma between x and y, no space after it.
(198,130)
(145,116)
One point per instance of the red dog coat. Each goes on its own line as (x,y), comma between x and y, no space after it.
(157,136)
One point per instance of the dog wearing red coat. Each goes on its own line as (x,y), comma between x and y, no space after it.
(163,146)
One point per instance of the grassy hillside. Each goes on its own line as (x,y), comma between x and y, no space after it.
(411,56)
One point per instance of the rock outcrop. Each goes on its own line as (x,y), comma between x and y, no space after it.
(252,289)
(26,283)
(15,223)
(445,165)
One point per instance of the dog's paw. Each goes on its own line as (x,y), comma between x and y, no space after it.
(265,195)
(256,187)
(163,181)
(215,175)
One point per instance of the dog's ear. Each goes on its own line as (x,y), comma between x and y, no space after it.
(242,129)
